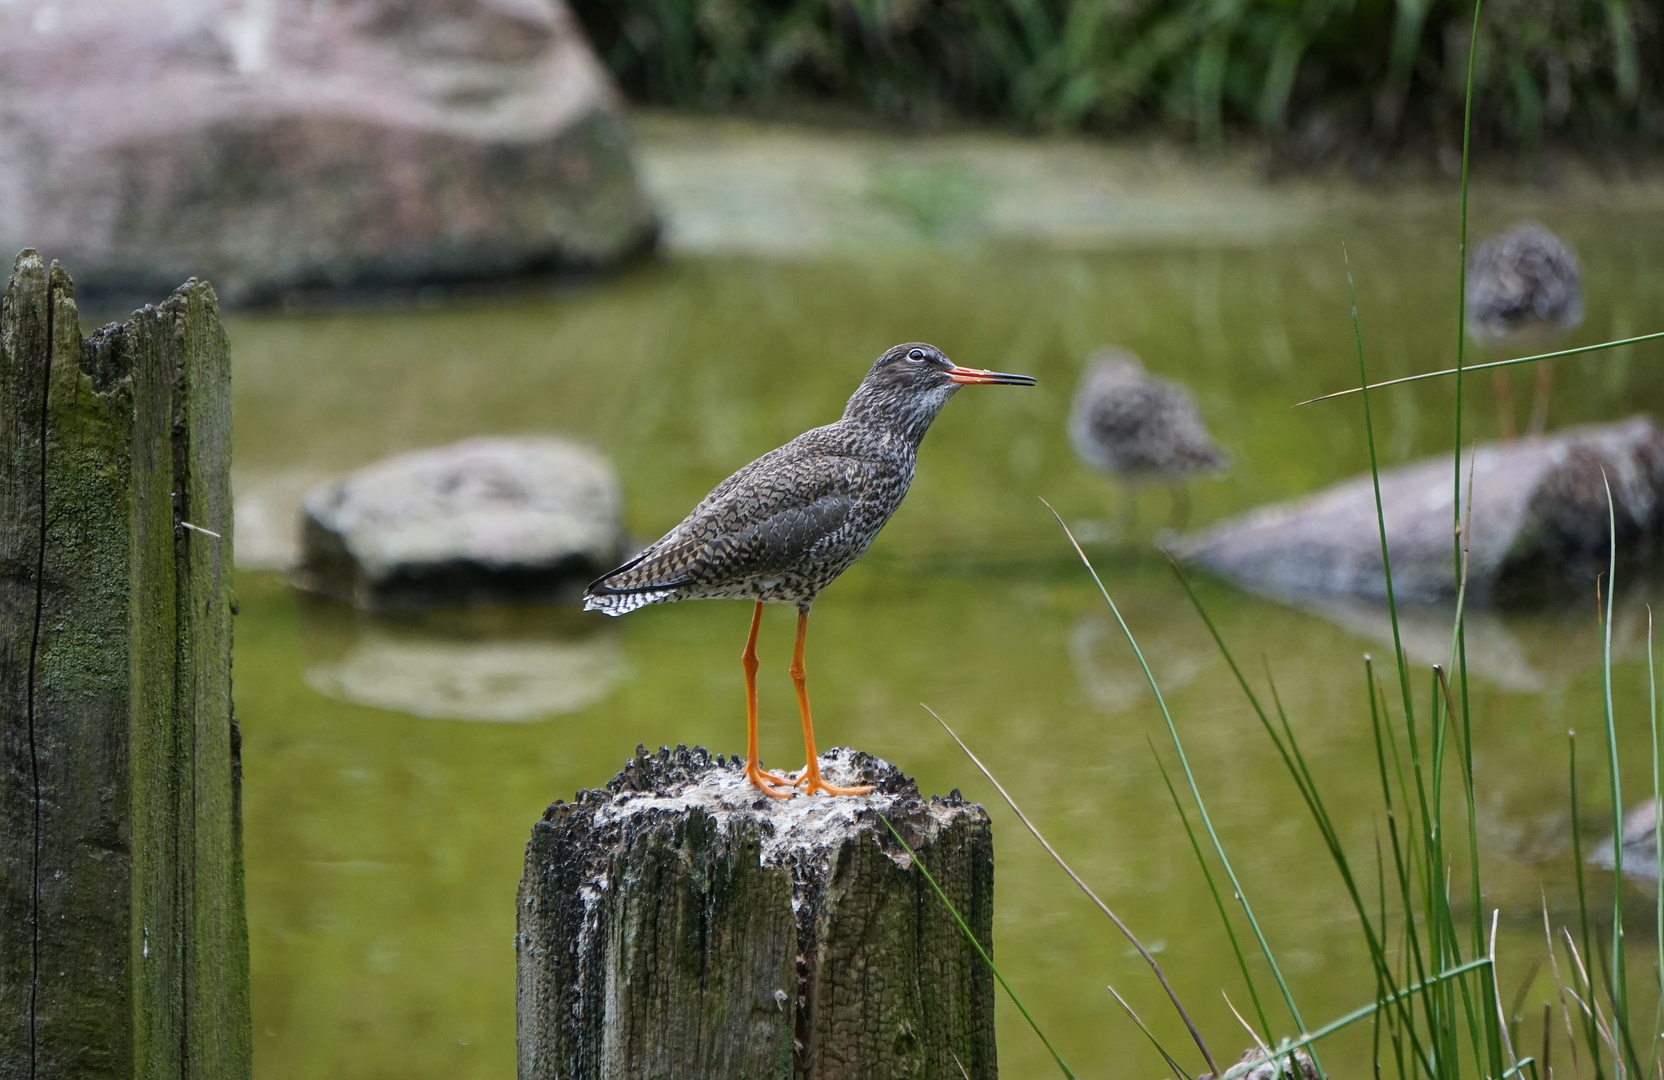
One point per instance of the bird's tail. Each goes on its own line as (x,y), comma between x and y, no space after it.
(622,590)
(599,597)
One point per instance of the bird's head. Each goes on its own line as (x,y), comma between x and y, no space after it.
(909,384)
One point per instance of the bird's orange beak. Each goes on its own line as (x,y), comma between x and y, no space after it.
(969,376)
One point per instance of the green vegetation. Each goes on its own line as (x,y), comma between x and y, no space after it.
(1438,1003)
(1330,73)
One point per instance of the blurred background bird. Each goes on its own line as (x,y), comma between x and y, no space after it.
(782,528)
(1141,429)
(1524,292)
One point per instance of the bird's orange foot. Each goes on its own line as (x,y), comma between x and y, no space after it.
(767,782)
(811,782)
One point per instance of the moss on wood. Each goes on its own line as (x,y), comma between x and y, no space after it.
(121,854)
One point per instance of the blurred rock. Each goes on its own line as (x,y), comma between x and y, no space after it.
(1539,523)
(272,145)
(481,521)
(1640,839)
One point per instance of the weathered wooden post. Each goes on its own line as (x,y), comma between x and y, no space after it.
(679,924)
(123,941)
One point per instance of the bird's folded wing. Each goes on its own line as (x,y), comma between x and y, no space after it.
(757,522)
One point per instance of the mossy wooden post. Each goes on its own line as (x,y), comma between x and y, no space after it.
(679,923)
(123,941)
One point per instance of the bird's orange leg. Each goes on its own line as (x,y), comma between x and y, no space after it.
(753,768)
(1539,400)
(1504,387)
(811,780)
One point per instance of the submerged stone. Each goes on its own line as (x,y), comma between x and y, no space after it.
(483,521)
(1540,523)
(290,144)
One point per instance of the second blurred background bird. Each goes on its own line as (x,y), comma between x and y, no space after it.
(1141,429)
(1524,292)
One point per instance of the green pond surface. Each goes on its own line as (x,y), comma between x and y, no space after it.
(385,836)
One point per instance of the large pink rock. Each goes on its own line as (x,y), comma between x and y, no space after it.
(276,144)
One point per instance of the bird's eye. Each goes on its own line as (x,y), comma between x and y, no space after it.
(916,354)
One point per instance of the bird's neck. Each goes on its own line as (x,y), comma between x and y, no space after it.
(904,418)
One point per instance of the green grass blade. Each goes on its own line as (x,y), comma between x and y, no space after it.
(1289,751)
(1619,989)
(1658,827)
(1459,536)
(1440,916)
(1462,259)
(1384,970)
(1591,1035)
(1380,512)
(1423,844)
(1619,343)
(977,945)
(1148,1034)
(1434,899)
(1190,780)
(1362,1013)
(1126,931)
(1218,901)
(1495,1042)
(1417,876)
(1483,1034)
(1407,865)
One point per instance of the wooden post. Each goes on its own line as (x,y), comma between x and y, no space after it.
(123,941)
(678,923)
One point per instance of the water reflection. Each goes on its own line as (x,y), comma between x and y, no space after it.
(505,665)
(1108,670)
(1521,651)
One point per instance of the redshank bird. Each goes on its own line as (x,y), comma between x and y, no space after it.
(1524,290)
(1140,429)
(782,528)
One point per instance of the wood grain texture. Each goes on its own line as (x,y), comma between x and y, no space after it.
(157,748)
(24,356)
(677,923)
(218,1034)
(118,748)
(82,705)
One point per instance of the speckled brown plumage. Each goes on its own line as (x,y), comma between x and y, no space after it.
(1138,427)
(1524,291)
(783,527)
(1524,287)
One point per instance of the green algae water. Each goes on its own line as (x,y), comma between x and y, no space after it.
(393,769)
